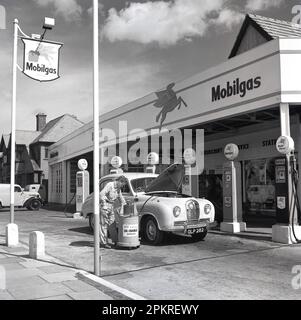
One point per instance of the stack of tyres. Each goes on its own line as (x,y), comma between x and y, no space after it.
(128,227)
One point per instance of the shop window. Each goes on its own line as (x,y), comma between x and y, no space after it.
(73,170)
(57,177)
(260,186)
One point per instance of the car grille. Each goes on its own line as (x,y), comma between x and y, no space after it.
(192,211)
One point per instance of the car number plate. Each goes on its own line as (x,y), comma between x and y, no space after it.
(194,231)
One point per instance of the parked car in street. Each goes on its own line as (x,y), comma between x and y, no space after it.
(27,199)
(40,188)
(160,205)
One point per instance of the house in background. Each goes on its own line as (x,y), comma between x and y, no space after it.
(32,149)
(3,156)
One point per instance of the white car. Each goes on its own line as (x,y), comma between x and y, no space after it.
(30,200)
(160,205)
(37,188)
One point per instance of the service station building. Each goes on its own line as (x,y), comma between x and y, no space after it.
(250,100)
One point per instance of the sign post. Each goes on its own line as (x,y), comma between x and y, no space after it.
(96,136)
(13,124)
(48,57)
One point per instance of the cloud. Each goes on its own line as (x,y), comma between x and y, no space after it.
(168,22)
(163,22)
(69,9)
(257,5)
(228,18)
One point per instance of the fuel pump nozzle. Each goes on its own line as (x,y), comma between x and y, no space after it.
(293,162)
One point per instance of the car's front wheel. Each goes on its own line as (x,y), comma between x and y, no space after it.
(151,232)
(34,204)
(200,236)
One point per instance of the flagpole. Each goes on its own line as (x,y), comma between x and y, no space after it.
(13,125)
(96,136)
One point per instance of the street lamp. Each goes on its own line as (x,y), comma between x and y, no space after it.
(12,229)
(49,23)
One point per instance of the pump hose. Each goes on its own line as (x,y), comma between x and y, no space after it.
(67,205)
(296,202)
(146,201)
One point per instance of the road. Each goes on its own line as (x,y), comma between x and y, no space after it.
(221,267)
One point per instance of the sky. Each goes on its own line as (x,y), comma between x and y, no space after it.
(144,45)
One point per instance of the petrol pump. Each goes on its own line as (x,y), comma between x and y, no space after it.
(190,159)
(82,184)
(116,163)
(232,200)
(152,161)
(287,229)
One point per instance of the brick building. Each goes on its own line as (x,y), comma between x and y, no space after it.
(32,149)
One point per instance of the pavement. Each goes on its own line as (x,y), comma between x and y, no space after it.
(22,278)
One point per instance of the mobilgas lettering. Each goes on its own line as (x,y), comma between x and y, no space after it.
(237,87)
(40,68)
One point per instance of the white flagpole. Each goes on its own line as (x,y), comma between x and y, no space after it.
(13,125)
(96,136)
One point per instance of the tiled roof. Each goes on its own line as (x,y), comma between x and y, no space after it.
(46,136)
(47,128)
(269,28)
(277,28)
(24,137)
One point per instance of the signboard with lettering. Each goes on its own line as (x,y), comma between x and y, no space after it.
(41,59)
(130,230)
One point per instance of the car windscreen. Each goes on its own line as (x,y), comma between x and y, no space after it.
(140,184)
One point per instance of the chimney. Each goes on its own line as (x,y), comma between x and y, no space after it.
(41,121)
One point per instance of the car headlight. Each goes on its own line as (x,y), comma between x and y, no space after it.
(176,211)
(207,208)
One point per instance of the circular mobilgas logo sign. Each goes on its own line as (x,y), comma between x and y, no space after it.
(82,164)
(231,151)
(152,158)
(285,145)
(116,162)
(189,156)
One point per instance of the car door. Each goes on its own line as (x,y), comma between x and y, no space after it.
(18,196)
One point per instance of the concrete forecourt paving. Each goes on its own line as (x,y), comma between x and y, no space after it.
(224,266)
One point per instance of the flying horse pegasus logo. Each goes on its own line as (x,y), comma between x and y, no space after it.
(167,101)
(41,51)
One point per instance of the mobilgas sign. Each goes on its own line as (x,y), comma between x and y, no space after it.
(41,59)
(237,87)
